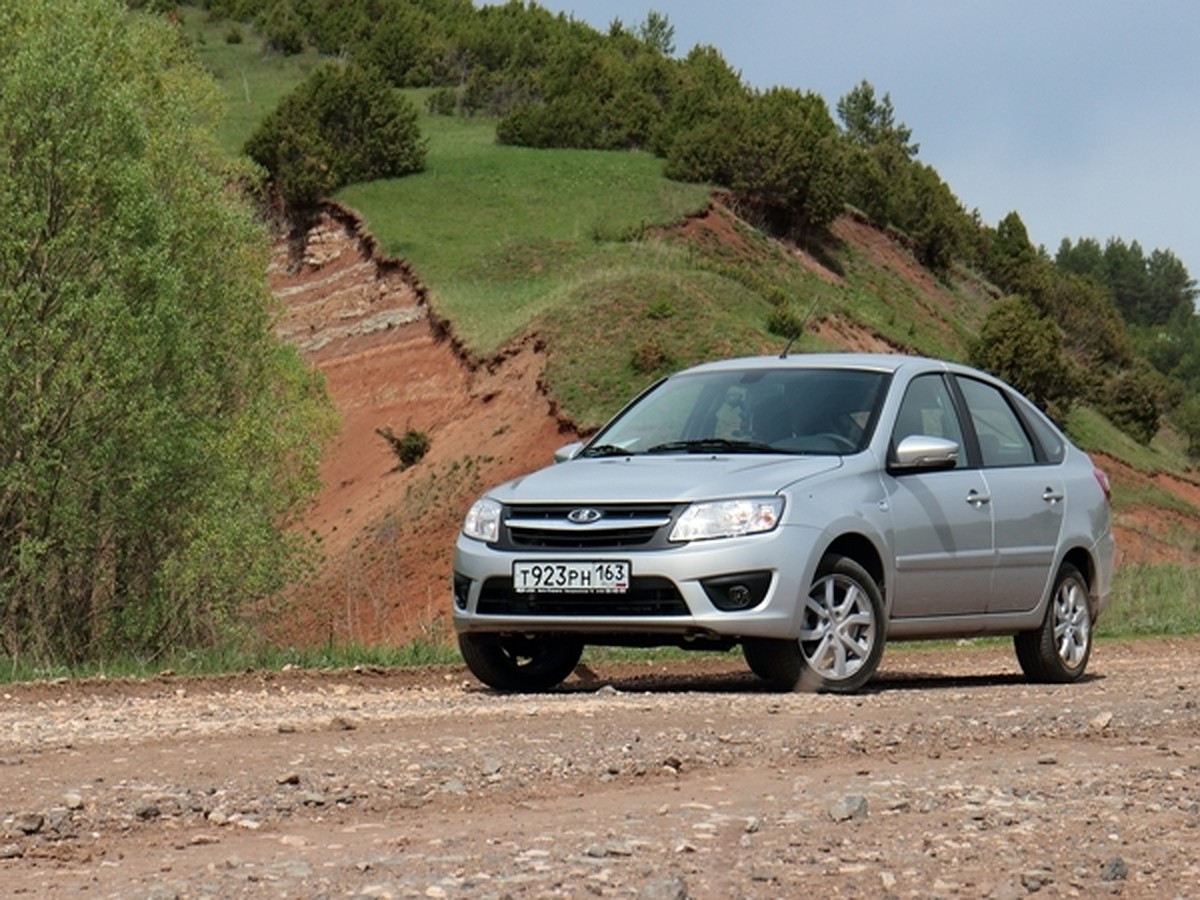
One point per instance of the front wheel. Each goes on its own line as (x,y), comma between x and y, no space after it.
(841,634)
(535,662)
(1058,651)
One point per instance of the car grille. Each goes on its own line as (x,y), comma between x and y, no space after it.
(546,527)
(648,596)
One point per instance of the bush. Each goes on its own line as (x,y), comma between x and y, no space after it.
(342,125)
(786,321)
(410,448)
(1020,345)
(1132,400)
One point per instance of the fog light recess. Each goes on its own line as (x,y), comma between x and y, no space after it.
(739,592)
(462,590)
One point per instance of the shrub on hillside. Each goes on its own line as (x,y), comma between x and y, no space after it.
(410,448)
(1022,346)
(343,124)
(1132,400)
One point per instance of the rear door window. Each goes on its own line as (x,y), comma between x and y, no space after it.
(1003,441)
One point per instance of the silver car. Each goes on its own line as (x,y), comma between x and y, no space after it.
(807,508)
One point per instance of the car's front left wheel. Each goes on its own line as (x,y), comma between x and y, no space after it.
(535,662)
(841,634)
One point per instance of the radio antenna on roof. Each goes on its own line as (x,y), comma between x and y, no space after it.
(800,330)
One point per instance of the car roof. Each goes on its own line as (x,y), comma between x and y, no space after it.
(878,362)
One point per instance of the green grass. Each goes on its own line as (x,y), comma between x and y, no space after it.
(1153,600)
(223,661)
(1094,433)
(501,234)
(252,80)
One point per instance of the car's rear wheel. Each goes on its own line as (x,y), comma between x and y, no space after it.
(841,634)
(1058,651)
(534,662)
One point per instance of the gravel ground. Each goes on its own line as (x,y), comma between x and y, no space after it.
(950,777)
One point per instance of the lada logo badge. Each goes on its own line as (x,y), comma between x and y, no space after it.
(584,515)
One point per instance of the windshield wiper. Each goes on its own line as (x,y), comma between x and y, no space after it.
(714,445)
(606,450)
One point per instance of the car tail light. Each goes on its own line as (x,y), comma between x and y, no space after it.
(1105,485)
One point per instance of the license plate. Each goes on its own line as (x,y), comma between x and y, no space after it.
(575,576)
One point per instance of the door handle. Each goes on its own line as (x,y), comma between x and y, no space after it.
(977,499)
(1051,496)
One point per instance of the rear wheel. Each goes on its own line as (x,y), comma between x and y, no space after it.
(534,662)
(1058,651)
(841,634)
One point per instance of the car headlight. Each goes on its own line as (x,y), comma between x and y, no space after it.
(483,520)
(727,518)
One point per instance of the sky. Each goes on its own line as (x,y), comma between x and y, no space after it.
(1083,116)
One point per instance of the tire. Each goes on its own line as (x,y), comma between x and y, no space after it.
(520,662)
(1058,651)
(841,635)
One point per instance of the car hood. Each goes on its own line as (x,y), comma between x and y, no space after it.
(659,479)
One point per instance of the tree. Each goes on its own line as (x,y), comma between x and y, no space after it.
(341,125)
(658,32)
(156,441)
(707,90)
(871,123)
(1171,288)
(1133,400)
(1083,258)
(1012,262)
(778,151)
(1022,346)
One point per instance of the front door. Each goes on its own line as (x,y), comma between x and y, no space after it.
(942,520)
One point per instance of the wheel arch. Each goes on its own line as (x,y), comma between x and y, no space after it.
(862,550)
(1082,560)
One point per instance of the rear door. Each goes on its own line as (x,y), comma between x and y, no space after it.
(1028,498)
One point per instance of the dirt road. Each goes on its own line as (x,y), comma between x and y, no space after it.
(951,777)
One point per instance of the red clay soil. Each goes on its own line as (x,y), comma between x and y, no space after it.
(388,534)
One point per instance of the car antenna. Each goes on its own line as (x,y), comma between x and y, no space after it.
(799,331)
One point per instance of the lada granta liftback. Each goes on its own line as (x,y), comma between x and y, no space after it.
(807,508)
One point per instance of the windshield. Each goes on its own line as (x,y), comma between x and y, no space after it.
(785,410)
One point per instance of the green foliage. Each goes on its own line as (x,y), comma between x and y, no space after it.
(155,440)
(658,32)
(789,161)
(786,320)
(282,28)
(778,151)
(1095,334)
(871,124)
(1162,599)
(410,448)
(1012,262)
(587,95)
(705,90)
(343,124)
(1133,400)
(1186,418)
(399,46)
(1022,346)
(891,188)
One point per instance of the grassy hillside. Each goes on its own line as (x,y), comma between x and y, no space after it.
(620,278)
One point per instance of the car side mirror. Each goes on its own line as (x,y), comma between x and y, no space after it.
(569,451)
(922,453)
